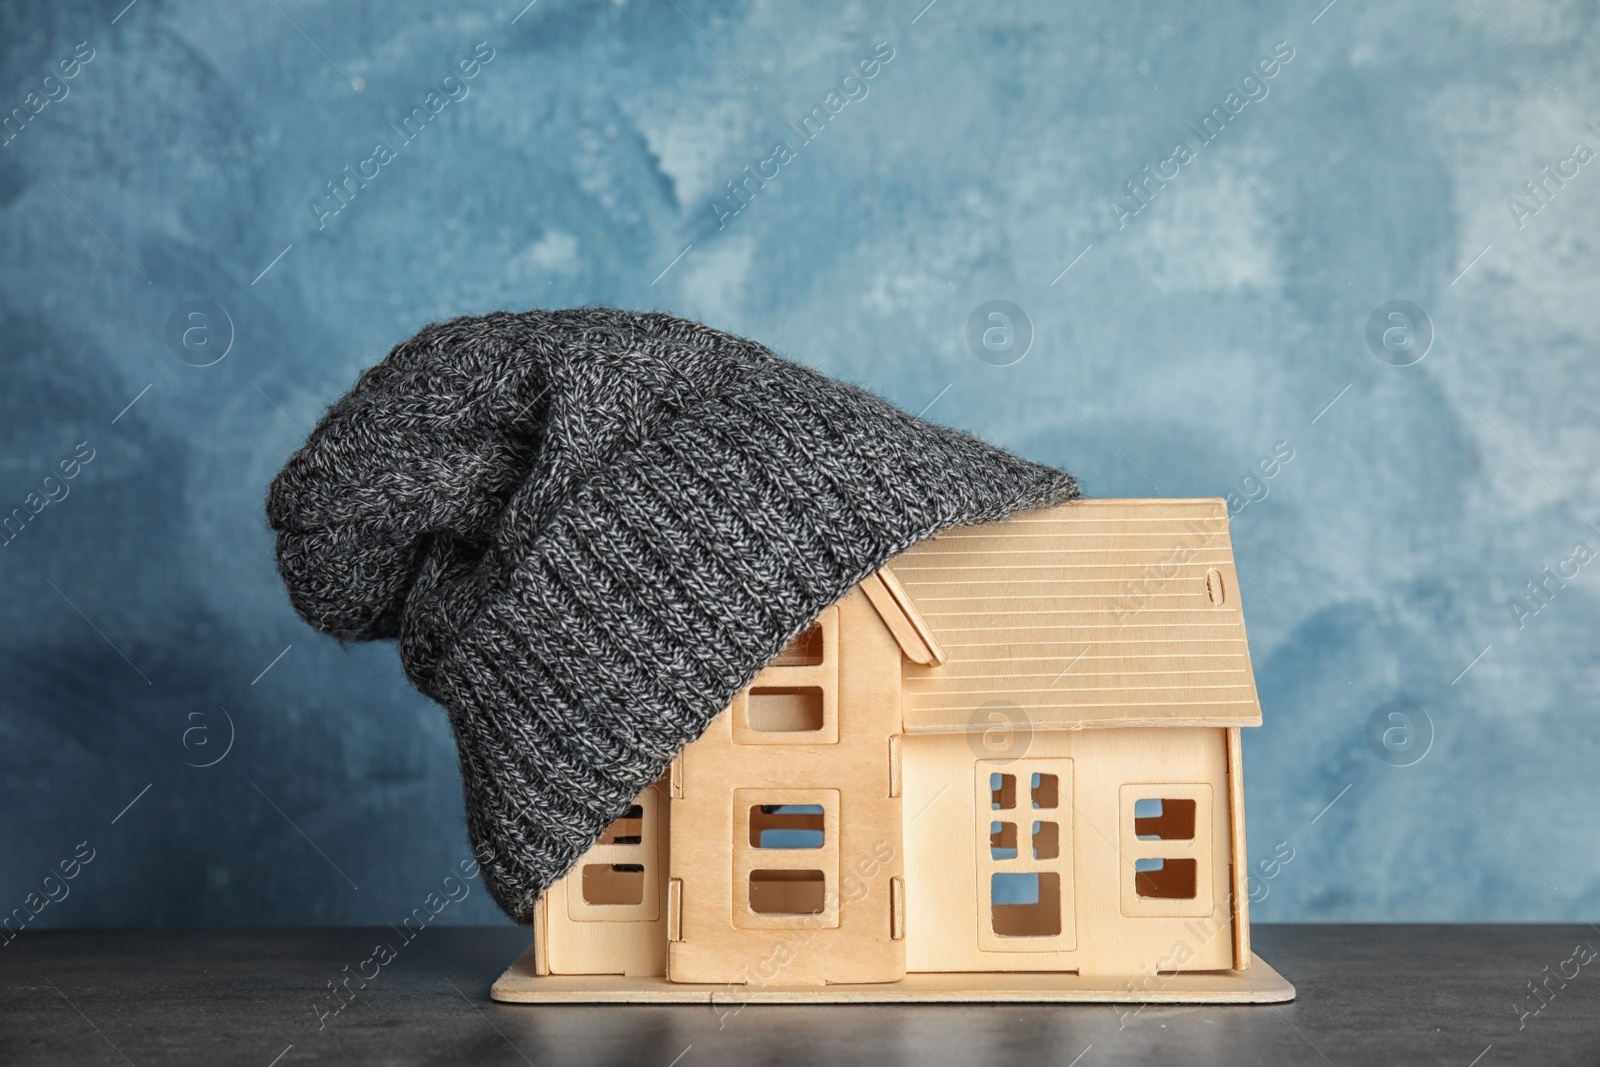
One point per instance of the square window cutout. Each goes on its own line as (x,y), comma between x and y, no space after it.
(786,826)
(626,830)
(1025,905)
(787,892)
(803,651)
(613,883)
(785,710)
(1163,819)
(1165,879)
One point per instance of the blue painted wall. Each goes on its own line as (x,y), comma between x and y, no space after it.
(1204,324)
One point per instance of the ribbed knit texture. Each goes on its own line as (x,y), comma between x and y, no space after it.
(588,529)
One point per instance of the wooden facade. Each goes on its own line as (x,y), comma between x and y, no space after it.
(1012,752)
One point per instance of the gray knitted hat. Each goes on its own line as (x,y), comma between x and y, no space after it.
(589,529)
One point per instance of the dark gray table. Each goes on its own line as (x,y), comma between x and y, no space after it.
(1368,995)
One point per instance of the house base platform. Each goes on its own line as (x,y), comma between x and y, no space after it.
(1258,985)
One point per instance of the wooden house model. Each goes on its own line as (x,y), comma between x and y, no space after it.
(1004,767)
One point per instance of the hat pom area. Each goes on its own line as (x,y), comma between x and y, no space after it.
(588,529)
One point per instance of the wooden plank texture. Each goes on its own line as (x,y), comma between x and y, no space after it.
(1096,613)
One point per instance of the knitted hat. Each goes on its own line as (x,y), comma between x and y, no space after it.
(589,529)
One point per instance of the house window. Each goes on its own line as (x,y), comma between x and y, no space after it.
(1025,898)
(613,883)
(628,829)
(787,826)
(785,858)
(775,892)
(1046,840)
(1170,879)
(798,709)
(1026,905)
(803,651)
(1003,840)
(618,879)
(1164,819)
(795,699)
(1166,850)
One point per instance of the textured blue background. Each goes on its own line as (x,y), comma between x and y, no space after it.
(586,156)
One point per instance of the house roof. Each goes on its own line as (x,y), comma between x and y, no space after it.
(1095,613)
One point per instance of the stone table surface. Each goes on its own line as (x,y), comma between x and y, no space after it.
(1368,994)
